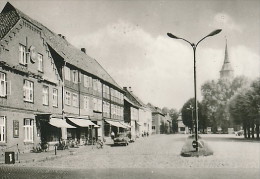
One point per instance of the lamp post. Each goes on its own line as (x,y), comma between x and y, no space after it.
(194,46)
(192,123)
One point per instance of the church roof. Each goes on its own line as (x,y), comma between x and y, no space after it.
(10,16)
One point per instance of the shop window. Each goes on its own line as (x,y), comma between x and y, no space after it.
(28,130)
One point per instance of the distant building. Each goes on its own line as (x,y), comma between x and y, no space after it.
(182,129)
(226,71)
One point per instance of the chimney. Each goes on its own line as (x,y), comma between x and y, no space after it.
(130,89)
(125,88)
(83,50)
(62,36)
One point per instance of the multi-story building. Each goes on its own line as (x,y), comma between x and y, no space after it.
(50,90)
(144,114)
(131,113)
(160,123)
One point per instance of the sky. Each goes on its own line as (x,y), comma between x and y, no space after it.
(128,38)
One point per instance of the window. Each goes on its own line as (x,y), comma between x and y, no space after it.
(75,100)
(45,95)
(40,62)
(87,81)
(95,104)
(86,102)
(75,76)
(55,97)
(2,129)
(99,105)
(22,55)
(67,73)
(28,91)
(2,85)
(67,98)
(28,130)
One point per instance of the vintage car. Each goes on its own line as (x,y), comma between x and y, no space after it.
(239,133)
(121,139)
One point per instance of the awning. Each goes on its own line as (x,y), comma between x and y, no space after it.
(125,124)
(82,122)
(117,124)
(57,122)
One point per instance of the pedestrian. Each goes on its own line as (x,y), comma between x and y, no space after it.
(112,135)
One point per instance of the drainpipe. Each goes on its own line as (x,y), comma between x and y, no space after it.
(102,120)
(63,129)
(79,91)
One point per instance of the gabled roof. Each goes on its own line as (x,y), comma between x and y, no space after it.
(7,20)
(155,110)
(129,96)
(10,16)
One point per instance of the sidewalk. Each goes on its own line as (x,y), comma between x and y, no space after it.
(44,156)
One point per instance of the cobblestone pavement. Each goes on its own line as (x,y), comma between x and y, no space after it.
(163,151)
(153,157)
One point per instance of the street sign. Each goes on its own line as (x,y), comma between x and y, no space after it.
(9,158)
(194,144)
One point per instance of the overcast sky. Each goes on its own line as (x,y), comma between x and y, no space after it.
(128,38)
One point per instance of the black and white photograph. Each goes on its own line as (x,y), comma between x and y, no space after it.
(129,89)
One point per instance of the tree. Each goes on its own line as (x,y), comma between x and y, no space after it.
(188,115)
(216,95)
(174,116)
(244,108)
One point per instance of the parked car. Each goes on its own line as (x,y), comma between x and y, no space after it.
(239,133)
(121,139)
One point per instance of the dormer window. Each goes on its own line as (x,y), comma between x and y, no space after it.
(75,76)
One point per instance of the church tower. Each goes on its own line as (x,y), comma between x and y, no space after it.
(226,71)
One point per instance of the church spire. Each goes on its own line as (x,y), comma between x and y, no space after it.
(226,60)
(226,70)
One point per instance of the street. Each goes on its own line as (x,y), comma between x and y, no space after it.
(151,157)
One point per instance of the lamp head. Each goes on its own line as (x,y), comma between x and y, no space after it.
(215,32)
(172,36)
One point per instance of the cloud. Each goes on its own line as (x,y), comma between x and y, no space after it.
(159,69)
(224,21)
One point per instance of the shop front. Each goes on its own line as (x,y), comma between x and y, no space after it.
(85,131)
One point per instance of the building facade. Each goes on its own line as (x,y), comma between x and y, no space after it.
(50,90)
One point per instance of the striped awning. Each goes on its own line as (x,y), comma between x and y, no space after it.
(125,124)
(58,122)
(117,124)
(82,122)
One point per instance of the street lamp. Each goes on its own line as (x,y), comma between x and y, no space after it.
(192,124)
(194,46)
